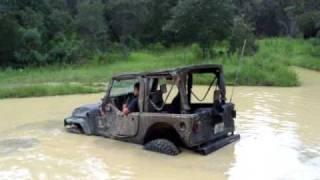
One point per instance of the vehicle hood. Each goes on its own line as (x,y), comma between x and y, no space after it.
(82,111)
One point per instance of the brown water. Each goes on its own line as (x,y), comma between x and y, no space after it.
(279,130)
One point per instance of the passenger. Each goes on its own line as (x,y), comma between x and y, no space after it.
(133,104)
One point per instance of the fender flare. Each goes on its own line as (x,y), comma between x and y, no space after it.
(82,122)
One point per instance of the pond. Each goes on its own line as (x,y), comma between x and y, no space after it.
(279,130)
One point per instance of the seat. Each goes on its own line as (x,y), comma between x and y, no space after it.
(174,107)
(156,98)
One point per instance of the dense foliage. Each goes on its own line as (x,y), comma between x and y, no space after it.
(42,32)
(201,21)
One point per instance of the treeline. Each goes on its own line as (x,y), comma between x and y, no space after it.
(42,32)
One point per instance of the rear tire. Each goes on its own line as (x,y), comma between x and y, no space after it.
(163,146)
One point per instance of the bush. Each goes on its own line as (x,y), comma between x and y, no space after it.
(266,72)
(308,23)
(132,43)
(114,57)
(29,58)
(119,48)
(242,31)
(57,21)
(91,25)
(196,51)
(31,39)
(9,40)
(29,18)
(315,50)
(64,50)
(201,21)
(157,47)
(29,52)
(220,48)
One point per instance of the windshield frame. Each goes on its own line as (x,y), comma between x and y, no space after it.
(112,87)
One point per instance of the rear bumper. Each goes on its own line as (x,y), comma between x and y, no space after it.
(211,146)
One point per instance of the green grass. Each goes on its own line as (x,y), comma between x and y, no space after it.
(270,66)
(88,73)
(297,52)
(45,89)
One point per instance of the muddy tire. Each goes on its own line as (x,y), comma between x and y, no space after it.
(76,129)
(163,146)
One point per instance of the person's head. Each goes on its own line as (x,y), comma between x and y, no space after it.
(136,89)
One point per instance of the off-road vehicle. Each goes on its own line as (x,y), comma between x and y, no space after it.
(171,113)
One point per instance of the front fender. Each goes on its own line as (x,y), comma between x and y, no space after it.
(85,117)
(82,122)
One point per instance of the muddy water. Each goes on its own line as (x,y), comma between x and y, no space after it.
(279,128)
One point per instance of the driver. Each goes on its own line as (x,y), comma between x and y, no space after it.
(132,105)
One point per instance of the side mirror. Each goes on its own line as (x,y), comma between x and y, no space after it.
(163,88)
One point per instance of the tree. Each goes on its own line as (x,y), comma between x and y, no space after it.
(37,5)
(202,21)
(72,6)
(127,18)
(281,17)
(91,24)
(29,50)
(157,18)
(309,18)
(28,18)
(57,22)
(242,31)
(9,39)
(64,50)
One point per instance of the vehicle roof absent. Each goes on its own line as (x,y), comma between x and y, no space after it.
(204,68)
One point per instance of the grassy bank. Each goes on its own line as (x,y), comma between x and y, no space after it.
(297,52)
(37,90)
(270,66)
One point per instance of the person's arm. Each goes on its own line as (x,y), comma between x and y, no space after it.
(132,106)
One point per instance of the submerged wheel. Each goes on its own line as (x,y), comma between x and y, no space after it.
(76,129)
(163,146)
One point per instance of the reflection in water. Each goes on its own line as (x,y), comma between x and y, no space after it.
(279,137)
(269,147)
(278,126)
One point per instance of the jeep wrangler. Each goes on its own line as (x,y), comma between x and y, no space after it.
(171,114)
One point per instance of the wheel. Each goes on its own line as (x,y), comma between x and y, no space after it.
(163,146)
(76,129)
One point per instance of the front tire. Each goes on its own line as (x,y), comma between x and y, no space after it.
(163,146)
(75,129)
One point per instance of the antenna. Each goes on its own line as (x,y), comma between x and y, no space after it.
(238,70)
